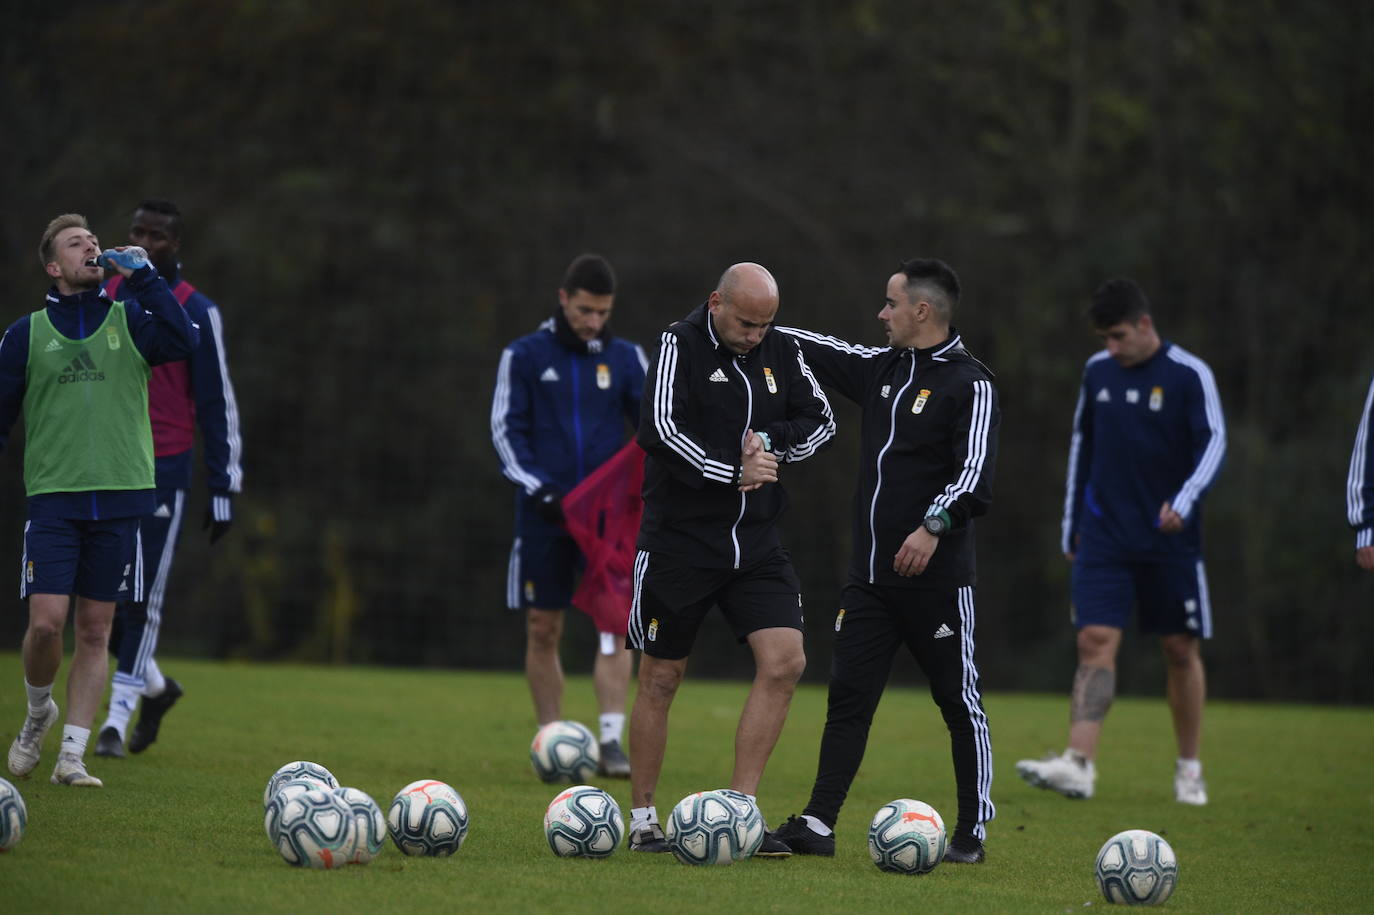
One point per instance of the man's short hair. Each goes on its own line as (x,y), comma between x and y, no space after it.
(1115,301)
(933,280)
(46,247)
(166,208)
(589,272)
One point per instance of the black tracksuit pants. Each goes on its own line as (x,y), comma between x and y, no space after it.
(936,626)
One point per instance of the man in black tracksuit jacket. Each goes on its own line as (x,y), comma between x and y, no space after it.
(927,454)
(724,402)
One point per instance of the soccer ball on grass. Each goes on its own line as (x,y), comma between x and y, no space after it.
(369,822)
(1136,867)
(301,768)
(14,816)
(317,829)
(583,822)
(428,818)
(713,828)
(906,837)
(565,751)
(271,820)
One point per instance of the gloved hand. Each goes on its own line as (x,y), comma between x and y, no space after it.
(131,258)
(548,503)
(219,516)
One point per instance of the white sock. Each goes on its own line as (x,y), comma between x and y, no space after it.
(153,681)
(816,825)
(38,698)
(74,739)
(612,724)
(642,818)
(123,701)
(1190,767)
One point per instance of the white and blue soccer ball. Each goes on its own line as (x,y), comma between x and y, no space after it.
(317,829)
(710,828)
(583,822)
(369,822)
(14,816)
(565,751)
(271,820)
(301,768)
(428,818)
(906,837)
(752,817)
(1136,867)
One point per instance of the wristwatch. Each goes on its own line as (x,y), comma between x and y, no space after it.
(936,523)
(767,442)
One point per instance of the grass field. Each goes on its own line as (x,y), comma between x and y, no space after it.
(179,828)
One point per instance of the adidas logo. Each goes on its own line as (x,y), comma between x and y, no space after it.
(82,369)
(1103,396)
(718,375)
(549,375)
(943,632)
(52,347)
(163,511)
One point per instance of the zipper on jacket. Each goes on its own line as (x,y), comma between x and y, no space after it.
(878,477)
(748,421)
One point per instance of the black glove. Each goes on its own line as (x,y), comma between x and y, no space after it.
(548,504)
(219,516)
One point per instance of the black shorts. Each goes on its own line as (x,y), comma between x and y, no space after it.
(671,599)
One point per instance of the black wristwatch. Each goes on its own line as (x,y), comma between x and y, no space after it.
(936,523)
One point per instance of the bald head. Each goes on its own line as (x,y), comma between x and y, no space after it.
(743,306)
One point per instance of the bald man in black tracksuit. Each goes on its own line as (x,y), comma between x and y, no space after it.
(928,449)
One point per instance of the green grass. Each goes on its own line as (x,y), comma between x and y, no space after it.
(179,828)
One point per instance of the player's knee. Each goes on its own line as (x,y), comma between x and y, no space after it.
(44,631)
(1180,650)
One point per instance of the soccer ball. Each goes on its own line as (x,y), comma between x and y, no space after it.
(583,822)
(565,751)
(1136,867)
(906,837)
(369,822)
(14,816)
(428,817)
(271,821)
(753,820)
(317,829)
(299,769)
(709,828)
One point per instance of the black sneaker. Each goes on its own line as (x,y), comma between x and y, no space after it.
(804,840)
(150,717)
(110,743)
(965,851)
(772,847)
(614,762)
(649,839)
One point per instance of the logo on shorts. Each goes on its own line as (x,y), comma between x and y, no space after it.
(529,591)
(1190,608)
(772,382)
(653,629)
(28,572)
(603,375)
(839,619)
(919,403)
(943,632)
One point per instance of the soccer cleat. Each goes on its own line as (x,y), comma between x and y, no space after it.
(772,847)
(28,745)
(803,840)
(150,717)
(1070,775)
(614,762)
(1190,789)
(71,771)
(650,838)
(965,850)
(109,743)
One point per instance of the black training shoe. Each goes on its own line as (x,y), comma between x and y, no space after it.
(150,717)
(804,840)
(965,851)
(110,743)
(772,847)
(649,839)
(614,762)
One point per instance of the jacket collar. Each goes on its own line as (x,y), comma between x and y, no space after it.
(96,296)
(563,333)
(951,347)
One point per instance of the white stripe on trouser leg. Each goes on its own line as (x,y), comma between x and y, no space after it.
(24,563)
(148,645)
(1204,600)
(513,577)
(636,622)
(973,702)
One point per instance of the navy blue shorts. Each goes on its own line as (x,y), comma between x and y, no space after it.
(1171,596)
(542,570)
(671,600)
(99,560)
